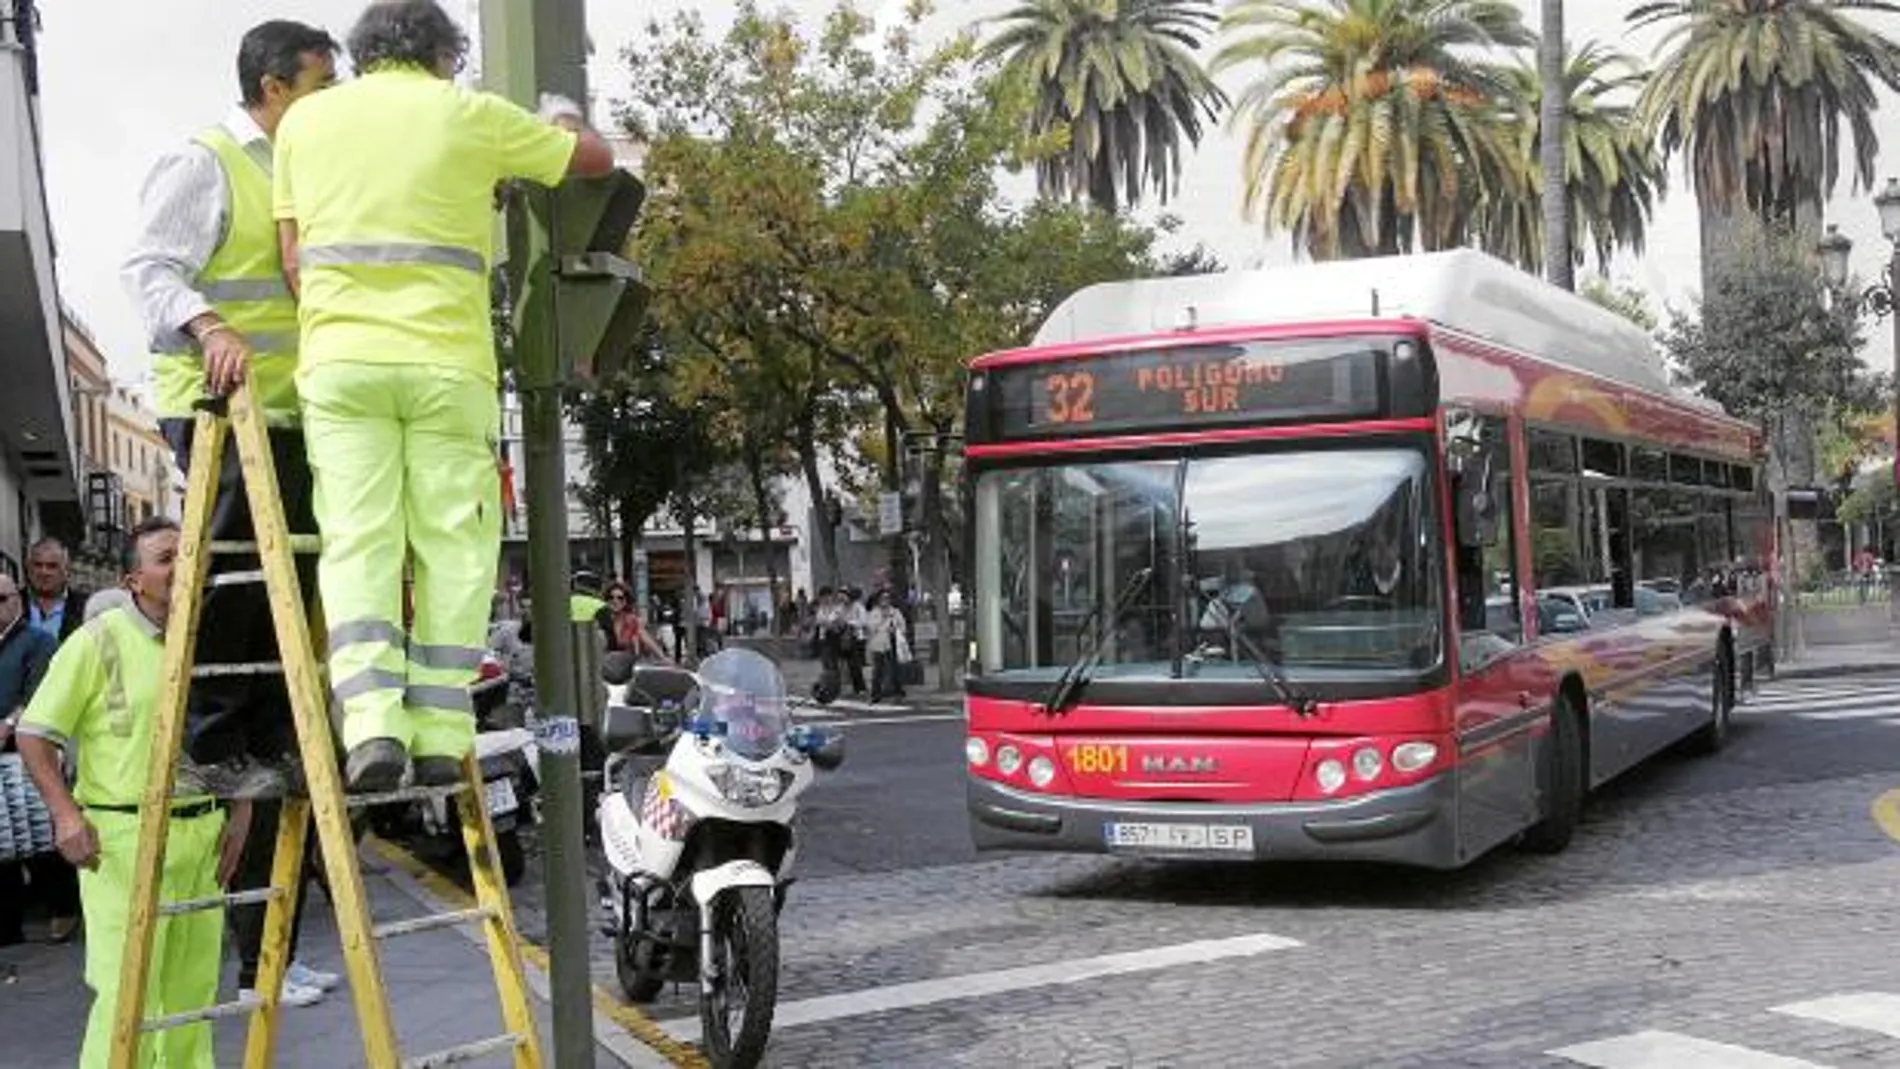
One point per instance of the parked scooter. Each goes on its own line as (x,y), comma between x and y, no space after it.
(431,828)
(703,776)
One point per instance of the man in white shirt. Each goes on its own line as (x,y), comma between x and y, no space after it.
(207,276)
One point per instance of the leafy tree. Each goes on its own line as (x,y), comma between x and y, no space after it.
(827,236)
(1768,344)
(1375,126)
(1757,93)
(1120,82)
(1199,260)
(1615,174)
(1630,302)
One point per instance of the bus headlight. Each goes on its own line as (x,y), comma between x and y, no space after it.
(976,751)
(1330,775)
(1008,760)
(1367,762)
(1042,771)
(1412,756)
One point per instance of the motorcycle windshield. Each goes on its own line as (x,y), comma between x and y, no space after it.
(744,691)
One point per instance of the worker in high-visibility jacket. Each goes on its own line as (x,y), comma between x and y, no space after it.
(385,199)
(205,273)
(101,695)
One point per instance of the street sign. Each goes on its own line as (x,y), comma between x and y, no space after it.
(890,513)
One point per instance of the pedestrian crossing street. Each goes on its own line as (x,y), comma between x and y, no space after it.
(1863,1012)
(1841,698)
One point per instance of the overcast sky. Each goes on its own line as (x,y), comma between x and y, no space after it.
(114,98)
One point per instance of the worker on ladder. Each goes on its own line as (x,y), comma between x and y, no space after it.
(101,695)
(385,194)
(206,277)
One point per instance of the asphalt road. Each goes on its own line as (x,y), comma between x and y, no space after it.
(1735,912)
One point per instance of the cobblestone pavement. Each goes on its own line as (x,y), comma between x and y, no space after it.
(1714,912)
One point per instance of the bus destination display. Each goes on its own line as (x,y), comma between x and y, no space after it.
(1187,387)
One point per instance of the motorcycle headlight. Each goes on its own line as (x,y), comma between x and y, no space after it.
(749,787)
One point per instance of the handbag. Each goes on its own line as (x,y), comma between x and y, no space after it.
(26,826)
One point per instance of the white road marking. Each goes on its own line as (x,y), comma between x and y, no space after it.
(1875,1011)
(1673,1050)
(1002,981)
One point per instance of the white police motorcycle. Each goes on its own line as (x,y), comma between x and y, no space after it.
(699,849)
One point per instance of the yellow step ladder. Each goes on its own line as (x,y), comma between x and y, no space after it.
(274,548)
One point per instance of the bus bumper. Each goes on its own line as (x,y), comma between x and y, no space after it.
(1413,825)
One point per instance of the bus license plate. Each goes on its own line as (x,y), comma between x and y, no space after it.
(1216,838)
(501,797)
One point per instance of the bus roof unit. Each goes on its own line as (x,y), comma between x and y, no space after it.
(1462,290)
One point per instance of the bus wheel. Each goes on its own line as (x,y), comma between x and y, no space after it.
(1563,781)
(1712,736)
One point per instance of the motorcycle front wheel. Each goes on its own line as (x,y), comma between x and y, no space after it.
(736,1018)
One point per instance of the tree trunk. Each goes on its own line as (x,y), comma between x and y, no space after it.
(898,559)
(1102,186)
(762,501)
(1558,246)
(936,577)
(823,533)
(625,537)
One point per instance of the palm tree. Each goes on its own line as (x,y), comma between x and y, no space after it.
(1120,78)
(1757,92)
(1376,125)
(1552,167)
(1614,174)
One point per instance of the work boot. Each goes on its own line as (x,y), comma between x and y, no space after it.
(236,777)
(376,765)
(437,771)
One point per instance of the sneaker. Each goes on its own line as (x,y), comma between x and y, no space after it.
(304,976)
(293,994)
(233,777)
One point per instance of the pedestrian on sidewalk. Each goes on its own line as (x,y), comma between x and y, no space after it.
(303,985)
(889,646)
(384,193)
(207,277)
(101,695)
(56,609)
(620,622)
(24,653)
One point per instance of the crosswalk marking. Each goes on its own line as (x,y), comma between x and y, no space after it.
(1673,1050)
(1874,1011)
(1829,700)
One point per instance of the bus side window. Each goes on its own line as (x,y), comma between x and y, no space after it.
(1487,576)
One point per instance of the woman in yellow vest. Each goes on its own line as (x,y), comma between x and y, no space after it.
(385,200)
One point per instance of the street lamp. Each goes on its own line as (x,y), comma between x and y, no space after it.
(1877,300)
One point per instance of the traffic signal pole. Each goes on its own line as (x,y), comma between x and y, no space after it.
(530,47)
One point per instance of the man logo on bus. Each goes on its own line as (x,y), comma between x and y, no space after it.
(1158,764)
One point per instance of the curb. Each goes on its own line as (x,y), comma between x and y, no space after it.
(631,1036)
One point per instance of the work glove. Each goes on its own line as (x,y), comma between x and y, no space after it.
(555,107)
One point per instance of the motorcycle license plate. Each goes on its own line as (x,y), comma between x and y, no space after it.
(1197,838)
(501,797)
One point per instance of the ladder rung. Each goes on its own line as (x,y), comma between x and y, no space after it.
(199,905)
(467,1052)
(431,922)
(298,544)
(403,794)
(234,578)
(255,668)
(244,1004)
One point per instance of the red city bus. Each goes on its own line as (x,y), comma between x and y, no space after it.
(1385,559)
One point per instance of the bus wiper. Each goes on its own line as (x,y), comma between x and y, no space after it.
(1076,675)
(1275,677)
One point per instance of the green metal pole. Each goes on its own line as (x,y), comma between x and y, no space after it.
(530,47)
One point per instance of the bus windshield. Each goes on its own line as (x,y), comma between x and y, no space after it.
(1319,562)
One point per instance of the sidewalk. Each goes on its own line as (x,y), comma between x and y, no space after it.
(1851,640)
(801,672)
(440,986)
